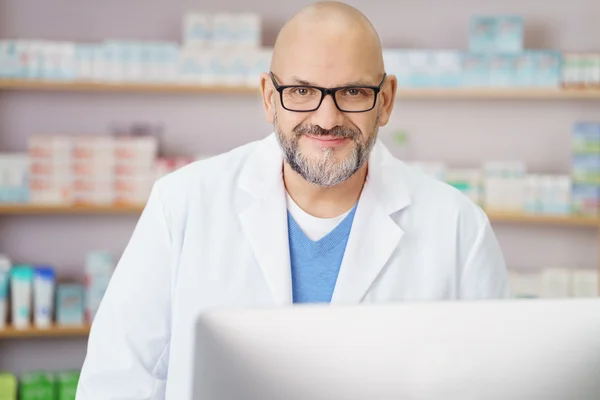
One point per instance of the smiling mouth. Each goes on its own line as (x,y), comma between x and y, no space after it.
(327,141)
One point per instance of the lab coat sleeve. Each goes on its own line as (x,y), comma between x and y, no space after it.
(483,273)
(128,344)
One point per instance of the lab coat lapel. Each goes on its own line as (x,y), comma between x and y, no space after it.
(374,235)
(264,218)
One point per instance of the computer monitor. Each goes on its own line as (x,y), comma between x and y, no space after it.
(483,350)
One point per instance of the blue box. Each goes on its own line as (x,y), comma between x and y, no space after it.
(482,33)
(476,70)
(70,304)
(547,68)
(586,138)
(501,67)
(448,69)
(524,67)
(585,199)
(509,34)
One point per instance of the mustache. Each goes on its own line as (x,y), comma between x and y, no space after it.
(335,132)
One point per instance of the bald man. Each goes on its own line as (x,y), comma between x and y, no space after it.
(317,212)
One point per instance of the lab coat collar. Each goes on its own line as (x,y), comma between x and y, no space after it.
(373,238)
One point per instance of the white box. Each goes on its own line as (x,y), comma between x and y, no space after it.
(247,30)
(556,283)
(133,190)
(525,284)
(51,191)
(258,62)
(136,150)
(572,75)
(585,283)
(50,147)
(223,30)
(84,62)
(197,29)
(235,67)
(191,66)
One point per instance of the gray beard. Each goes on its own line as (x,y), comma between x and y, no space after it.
(324,170)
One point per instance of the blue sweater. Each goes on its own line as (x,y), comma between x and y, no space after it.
(315,265)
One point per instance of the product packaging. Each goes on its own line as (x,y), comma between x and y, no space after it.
(99,267)
(37,386)
(509,34)
(44,283)
(70,305)
(482,34)
(21,288)
(66,385)
(5,265)
(8,387)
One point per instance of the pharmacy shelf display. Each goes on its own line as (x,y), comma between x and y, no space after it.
(134,209)
(53,331)
(42,209)
(81,86)
(403,93)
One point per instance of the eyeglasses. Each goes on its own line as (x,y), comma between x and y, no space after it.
(350,99)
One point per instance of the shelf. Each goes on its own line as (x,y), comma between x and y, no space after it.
(521,218)
(8,84)
(25,209)
(498,94)
(54,331)
(495,216)
(403,93)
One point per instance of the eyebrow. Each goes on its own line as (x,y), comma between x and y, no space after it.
(298,81)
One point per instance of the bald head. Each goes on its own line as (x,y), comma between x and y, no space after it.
(328,35)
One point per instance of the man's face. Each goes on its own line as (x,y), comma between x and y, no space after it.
(325,146)
(325,157)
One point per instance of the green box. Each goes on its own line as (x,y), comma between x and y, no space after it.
(8,387)
(66,385)
(37,386)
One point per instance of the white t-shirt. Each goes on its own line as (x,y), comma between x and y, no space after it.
(314,228)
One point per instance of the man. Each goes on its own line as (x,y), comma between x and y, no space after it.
(316,212)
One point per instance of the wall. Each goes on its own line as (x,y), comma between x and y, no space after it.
(461,132)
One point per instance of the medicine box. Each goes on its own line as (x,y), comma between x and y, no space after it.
(502,34)
(476,71)
(586,138)
(482,34)
(8,386)
(37,386)
(523,69)
(14,178)
(197,29)
(547,68)
(247,30)
(585,199)
(70,304)
(66,385)
(502,70)
(99,268)
(258,62)
(509,34)
(585,168)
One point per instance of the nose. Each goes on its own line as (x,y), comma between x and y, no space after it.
(327,116)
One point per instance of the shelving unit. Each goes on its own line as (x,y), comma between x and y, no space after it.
(25,209)
(52,332)
(69,86)
(543,219)
(494,216)
(403,93)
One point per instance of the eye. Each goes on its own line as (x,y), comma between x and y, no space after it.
(301,91)
(353,92)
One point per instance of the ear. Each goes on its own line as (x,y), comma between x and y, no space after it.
(387,98)
(267,91)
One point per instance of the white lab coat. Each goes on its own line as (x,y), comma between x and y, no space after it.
(214,234)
